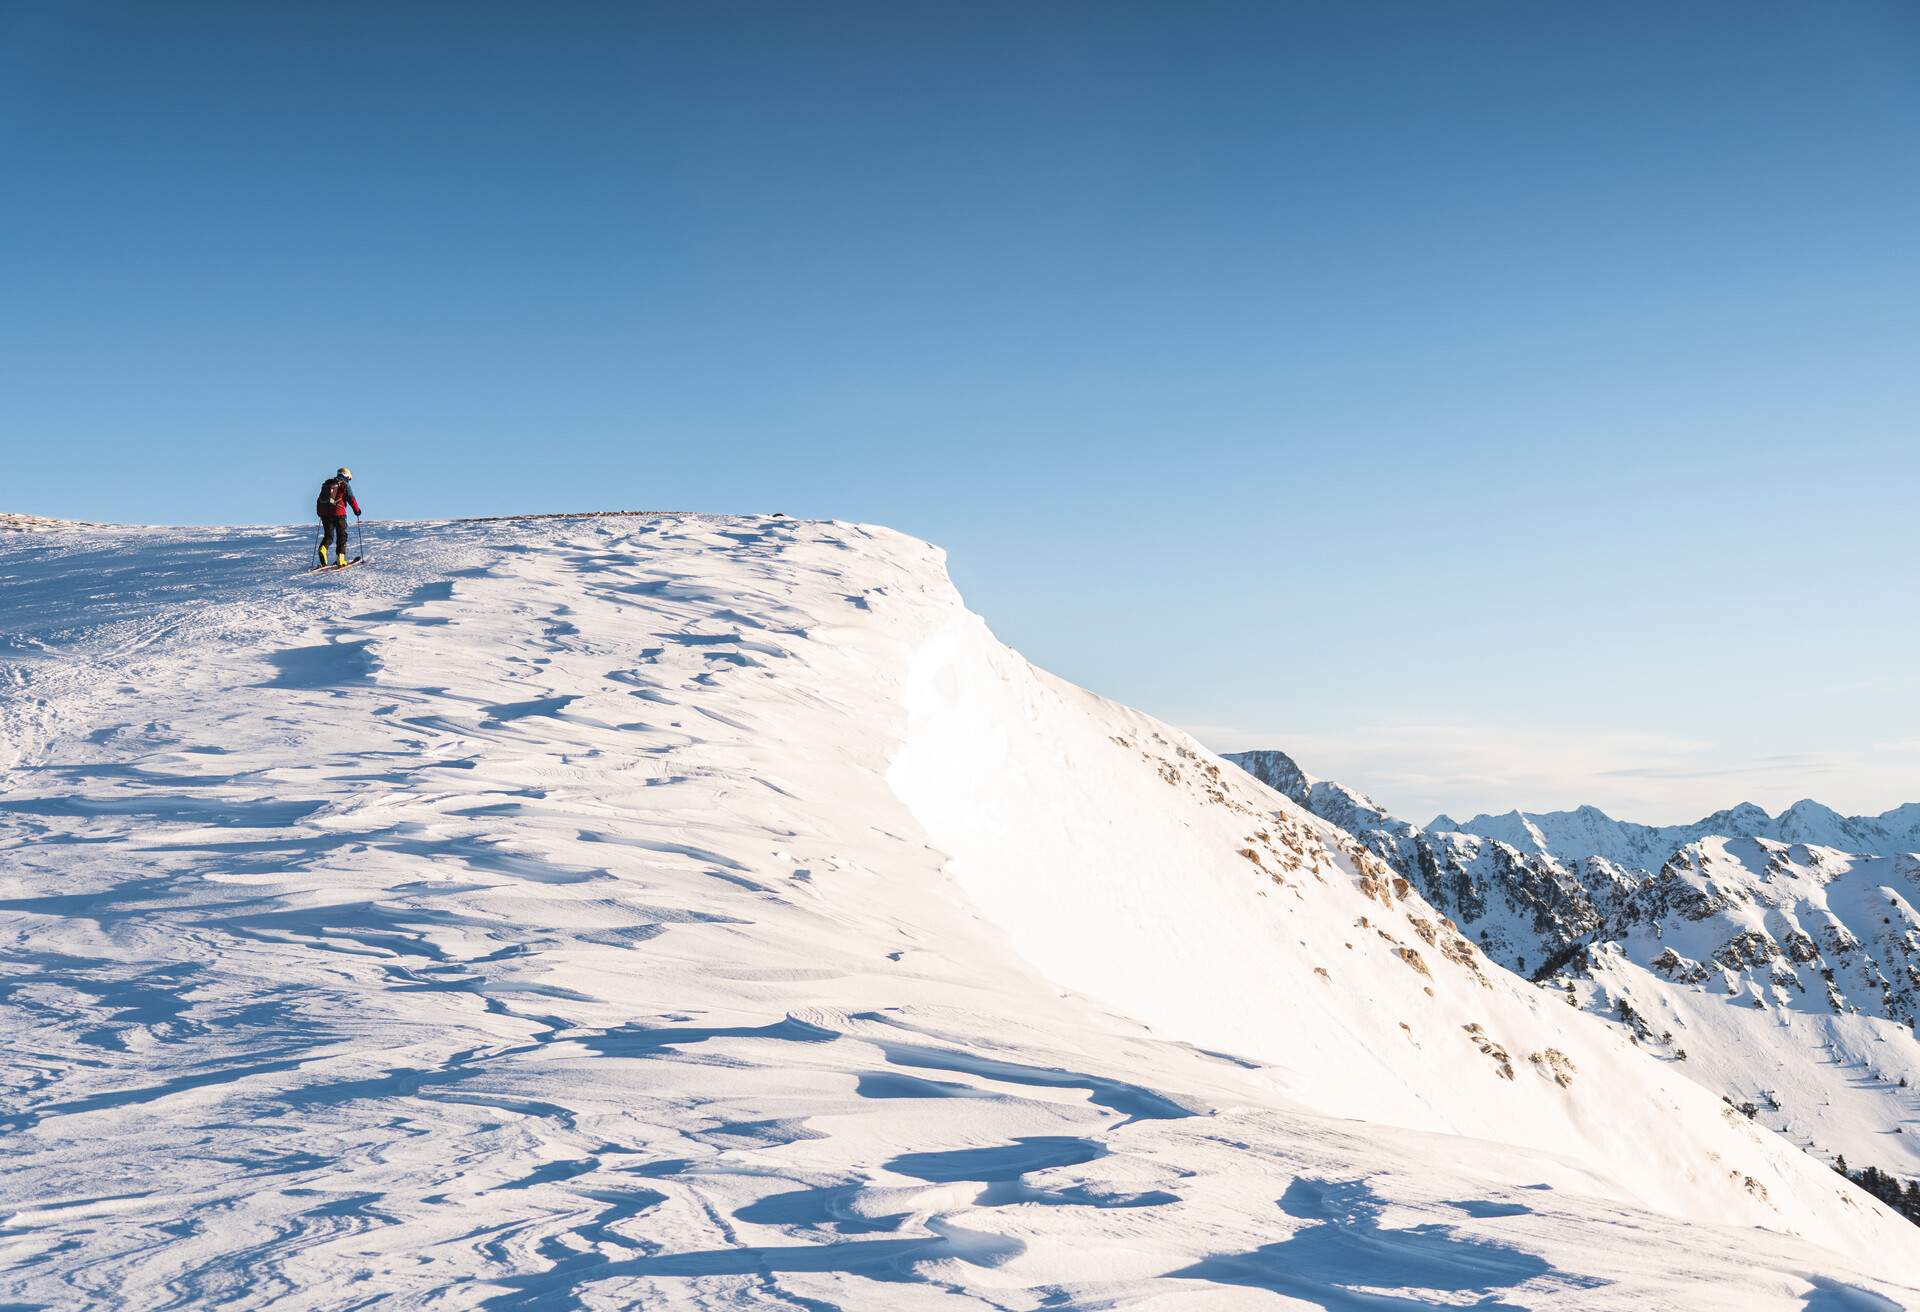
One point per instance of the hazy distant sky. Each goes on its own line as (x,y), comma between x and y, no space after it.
(1494,403)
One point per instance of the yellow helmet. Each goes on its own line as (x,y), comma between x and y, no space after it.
(345,472)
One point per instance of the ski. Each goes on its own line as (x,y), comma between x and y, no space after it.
(328,569)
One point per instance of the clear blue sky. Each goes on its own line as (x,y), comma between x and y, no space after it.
(1500,403)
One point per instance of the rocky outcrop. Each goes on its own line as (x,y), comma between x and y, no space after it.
(1521,909)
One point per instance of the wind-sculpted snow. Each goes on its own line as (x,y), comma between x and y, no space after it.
(545,916)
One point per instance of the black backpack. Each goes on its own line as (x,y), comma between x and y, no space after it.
(329,500)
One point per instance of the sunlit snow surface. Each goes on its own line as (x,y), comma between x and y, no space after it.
(549,914)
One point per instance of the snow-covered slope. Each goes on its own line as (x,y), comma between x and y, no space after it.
(671,911)
(1788,977)
(1785,976)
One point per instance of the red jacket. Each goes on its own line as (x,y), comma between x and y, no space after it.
(335,497)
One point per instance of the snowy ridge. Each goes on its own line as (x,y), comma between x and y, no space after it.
(1588,831)
(697,912)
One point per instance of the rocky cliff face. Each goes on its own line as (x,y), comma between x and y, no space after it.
(1522,908)
(1793,926)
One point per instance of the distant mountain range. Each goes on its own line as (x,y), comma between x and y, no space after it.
(1778,957)
(1589,831)
(11,522)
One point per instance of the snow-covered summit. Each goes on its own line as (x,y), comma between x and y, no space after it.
(689,911)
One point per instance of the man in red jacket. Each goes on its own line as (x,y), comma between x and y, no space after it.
(335,496)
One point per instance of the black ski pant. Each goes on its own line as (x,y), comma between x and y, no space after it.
(333,528)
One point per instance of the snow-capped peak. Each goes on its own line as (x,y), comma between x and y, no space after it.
(1588,831)
(1775,959)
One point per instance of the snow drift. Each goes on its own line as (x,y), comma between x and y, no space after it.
(684,911)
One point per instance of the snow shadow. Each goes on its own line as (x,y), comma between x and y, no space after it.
(638,1041)
(830,1207)
(571,1266)
(423,595)
(506,711)
(876,1259)
(553,1173)
(1002,1162)
(209,812)
(771,1133)
(329,665)
(726,639)
(1342,1260)
(1480,1209)
(1829,1295)
(883,1084)
(487,856)
(1003,1169)
(1130,1100)
(357,928)
(273,1061)
(104,906)
(150,1001)
(892,1260)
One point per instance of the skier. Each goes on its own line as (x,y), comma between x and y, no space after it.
(335,497)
